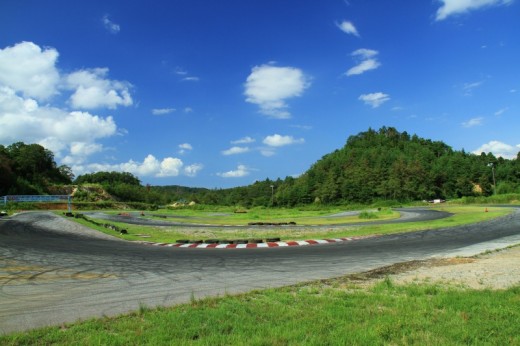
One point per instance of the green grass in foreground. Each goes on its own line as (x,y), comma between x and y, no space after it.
(462,215)
(335,313)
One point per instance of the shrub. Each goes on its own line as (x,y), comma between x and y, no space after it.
(368,215)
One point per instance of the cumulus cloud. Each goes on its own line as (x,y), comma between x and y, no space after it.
(473,122)
(240,172)
(112,27)
(455,7)
(149,167)
(348,28)
(162,111)
(374,99)
(235,150)
(277,140)
(29,112)
(93,90)
(366,59)
(193,170)
(499,149)
(270,86)
(25,120)
(29,69)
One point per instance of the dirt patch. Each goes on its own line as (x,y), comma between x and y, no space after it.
(494,270)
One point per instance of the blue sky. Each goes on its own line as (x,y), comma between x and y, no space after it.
(222,93)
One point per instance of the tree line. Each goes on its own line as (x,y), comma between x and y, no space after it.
(375,165)
(30,169)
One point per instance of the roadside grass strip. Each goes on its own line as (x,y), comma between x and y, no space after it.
(330,312)
(258,245)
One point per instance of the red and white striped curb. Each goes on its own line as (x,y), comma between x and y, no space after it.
(258,245)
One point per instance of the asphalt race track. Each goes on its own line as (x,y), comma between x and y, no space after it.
(406,215)
(53,270)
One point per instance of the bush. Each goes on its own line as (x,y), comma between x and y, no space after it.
(368,215)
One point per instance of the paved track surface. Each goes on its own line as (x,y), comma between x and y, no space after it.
(406,215)
(53,270)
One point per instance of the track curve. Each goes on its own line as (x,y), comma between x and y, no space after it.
(407,215)
(54,270)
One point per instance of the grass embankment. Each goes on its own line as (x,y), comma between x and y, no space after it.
(332,312)
(169,234)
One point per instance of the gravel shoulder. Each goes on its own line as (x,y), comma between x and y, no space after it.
(495,270)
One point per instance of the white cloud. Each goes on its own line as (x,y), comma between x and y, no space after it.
(473,122)
(366,61)
(277,140)
(170,167)
(364,66)
(93,90)
(235,151)
(188,110)
(267,152)
(84,149)
(365,53)
(501,111)
(240,172)
(193,170)
(469,87)
(454,7)
(149,167)
(29,78)
(184,147)
(302,127)
(24,120)
(79,151)
(499,149)
(180,71)
(191,79)
(244,140)
(270,86)
(348,28)
(162,111)
(112,27)
(374,99)
(28,69)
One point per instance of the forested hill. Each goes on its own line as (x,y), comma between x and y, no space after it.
(389,165)
(372,166)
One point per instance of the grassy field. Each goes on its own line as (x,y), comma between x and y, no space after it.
(278,215)
(170,234)
(332,312)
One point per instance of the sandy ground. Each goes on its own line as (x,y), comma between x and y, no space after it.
(493,270)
